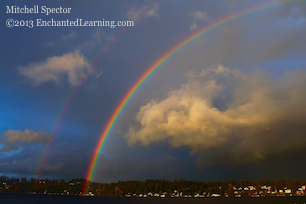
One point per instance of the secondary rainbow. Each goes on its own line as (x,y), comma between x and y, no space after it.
(152,69)
(104,47)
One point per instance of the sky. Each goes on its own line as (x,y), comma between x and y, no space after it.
(228,106)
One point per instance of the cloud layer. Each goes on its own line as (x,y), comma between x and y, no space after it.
(228,117)
(72,65)
(62,161)
(12,138)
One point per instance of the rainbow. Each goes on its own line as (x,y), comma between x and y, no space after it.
(153,68)
(104,47)
(62,109)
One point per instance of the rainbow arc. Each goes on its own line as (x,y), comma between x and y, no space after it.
(156,66)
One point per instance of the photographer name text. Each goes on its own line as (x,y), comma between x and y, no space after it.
(35,9)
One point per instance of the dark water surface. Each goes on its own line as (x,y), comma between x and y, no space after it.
(15,198)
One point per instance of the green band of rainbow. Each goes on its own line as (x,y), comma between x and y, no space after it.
(129,95)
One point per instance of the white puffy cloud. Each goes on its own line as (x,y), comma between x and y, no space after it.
(144,12)
(73,65)
(12,138)
(228,117)
(193,26)
(197,16)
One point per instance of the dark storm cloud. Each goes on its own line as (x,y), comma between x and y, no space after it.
(64,161)
(114,169)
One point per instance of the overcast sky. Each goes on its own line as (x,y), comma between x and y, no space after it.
(230,105)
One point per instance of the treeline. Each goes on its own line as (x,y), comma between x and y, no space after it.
(75,186)
(24,185)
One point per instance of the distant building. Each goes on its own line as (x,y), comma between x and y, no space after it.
(288,190)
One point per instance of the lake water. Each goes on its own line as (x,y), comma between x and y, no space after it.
(15,198)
